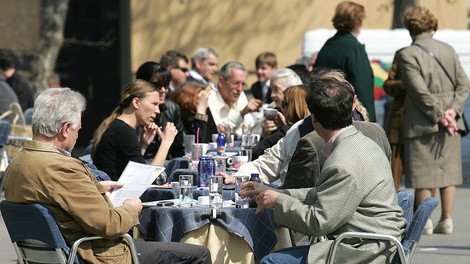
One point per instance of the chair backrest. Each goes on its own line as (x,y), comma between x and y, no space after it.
(406,200)
(28,115)
(5,128)
(30,224)
(415,228)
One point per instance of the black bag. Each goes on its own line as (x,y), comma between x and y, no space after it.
(466,130)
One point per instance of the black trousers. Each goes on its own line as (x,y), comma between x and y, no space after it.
(171,253)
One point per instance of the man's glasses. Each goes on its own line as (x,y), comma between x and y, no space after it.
(185,70)
(237,83)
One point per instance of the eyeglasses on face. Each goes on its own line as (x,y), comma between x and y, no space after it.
(237,83)
(185,70)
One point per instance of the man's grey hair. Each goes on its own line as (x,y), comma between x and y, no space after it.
(227,68)
(289,77)
(54,107)
(202,54)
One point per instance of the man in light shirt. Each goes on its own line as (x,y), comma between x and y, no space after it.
(228,104)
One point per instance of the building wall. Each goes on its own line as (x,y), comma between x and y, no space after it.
(19,24)
(239,30)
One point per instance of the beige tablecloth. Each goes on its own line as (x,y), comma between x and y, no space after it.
(227,248)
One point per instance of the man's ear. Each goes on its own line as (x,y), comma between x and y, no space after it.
(312,116)
(65,130)
(197,64)
(354,102)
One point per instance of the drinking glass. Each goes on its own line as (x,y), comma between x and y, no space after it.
(240,202)
(199,150)
(248,142)
(216,184)
(220,164)
(186,190)
(175,187)
(188,144)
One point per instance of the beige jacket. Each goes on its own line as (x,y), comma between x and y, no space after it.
(428,90)
(354,192)
(41,174)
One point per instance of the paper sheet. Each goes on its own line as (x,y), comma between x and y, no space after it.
(137,177)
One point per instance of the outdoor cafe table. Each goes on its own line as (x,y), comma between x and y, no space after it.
(234,236)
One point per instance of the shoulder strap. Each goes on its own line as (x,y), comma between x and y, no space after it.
(438,61)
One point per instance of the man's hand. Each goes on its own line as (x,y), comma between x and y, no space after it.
(253,105)
(253,188)
(136,203)
(265,196)
(228,179)
(266,199)
(111,186)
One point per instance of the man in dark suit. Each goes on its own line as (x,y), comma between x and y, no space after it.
(204,65)
(266,65)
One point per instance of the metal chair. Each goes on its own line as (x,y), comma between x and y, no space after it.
(37,238)
(412,235)
(5,128)
(406,201)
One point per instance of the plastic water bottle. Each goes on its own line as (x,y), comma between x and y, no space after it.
(221,143)
(254,178)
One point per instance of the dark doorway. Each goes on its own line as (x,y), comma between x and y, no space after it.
(95,57)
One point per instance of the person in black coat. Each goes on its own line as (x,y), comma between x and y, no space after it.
(344,52)
(22,90)
(160,77)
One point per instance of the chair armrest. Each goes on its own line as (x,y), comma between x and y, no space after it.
(364,235)
(127,237)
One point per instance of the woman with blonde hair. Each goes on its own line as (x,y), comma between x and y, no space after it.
(294,108)
(115,142)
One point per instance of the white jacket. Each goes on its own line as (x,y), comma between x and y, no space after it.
(273,164)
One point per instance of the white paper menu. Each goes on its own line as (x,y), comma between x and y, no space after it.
(137,177)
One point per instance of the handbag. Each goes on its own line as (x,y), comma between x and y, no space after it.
(20,131)
(466,130)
